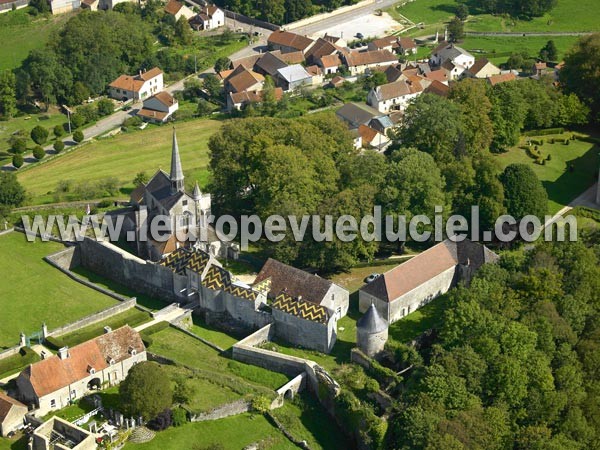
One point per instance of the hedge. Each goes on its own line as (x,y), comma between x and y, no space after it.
(544,132)
(54,343)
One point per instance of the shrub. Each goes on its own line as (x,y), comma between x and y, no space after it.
(549,158)
(134,121)
(59,131)
(105,107)
(39,152)
(162,421)
(545,132)
(567,142)
(78,136)
(88,112)
(541,142)
(77,120)
(54,343)
(17,160)
(59,146)
(39,135)
(552,140)
(18,145)
(179,417)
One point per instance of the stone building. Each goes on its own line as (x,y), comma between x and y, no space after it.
(57,381)
(371,332)
(137,87)
(407,287)
(302,285)
(57,434)
(12,413)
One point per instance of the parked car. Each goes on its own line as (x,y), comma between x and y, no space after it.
(360,36)
(371,278)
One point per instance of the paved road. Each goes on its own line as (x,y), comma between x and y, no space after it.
(325,24)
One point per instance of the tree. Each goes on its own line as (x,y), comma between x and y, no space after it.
(17,160)
(40,6)
(59,131)
(456,30)
(507,115)
(8,100)
(462,11)
(523,192)
(580,72)
(375,79)
(146,391)
(105,107)
(549,52)
(212,85)
(39,134)
(59,146)
(38,152)
(78,136)
(12,194)
(140,178)
(77,120)
(183,31)
(222,64)
(18,145)
(204,107)
(471,96)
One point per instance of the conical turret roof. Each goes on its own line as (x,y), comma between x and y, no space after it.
(196,194)
(176,170)
(371,321)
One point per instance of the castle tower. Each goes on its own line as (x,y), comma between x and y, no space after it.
(176,174)
(371,332)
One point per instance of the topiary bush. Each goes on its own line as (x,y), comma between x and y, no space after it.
(54,343)
(78,136)
(179,417)
(17,160)
(59,131)
(59,146)
(39,134)
(39,152)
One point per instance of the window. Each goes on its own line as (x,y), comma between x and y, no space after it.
(52,403)
(73,394)
(184,202)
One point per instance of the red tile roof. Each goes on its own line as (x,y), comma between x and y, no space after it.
(242,79)
(503,78)
(439,75)
(6,403)
(292,40)
(135,83)
(370,57)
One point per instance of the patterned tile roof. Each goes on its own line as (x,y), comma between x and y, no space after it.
(242,292)
(182,259)
(217,278)
(300,308)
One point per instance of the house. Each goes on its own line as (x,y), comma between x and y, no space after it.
(292,77)
(159,107)
(12,413)
(330,63)
(64,6)
(209,18)
(137,87)
(57,434)
(57,381)
(359,62)
(316,73)
(165,195)
(453,58)
(239,100)
(336,40)
(437,88)
(381,123)
(356,114)
(286,42)
(482,69)
(502,78)
(539,68)
(393,96)
(439,75)
(290,57)
(92,5)
(400,45)
(302,285)
(337,81)
(407,287)
(179,10)
(371,138)
(269,64)
(242,79)
(320,48)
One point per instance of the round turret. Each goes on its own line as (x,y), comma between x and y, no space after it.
(371,332)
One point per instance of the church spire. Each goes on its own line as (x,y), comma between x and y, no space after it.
(176,170)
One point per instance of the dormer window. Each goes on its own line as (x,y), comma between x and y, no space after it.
(111,361)
(91,370)
(132,351)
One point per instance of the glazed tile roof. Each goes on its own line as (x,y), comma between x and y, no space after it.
(182,259)
(300,308)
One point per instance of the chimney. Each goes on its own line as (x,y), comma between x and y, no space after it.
(107,329)
(63,353)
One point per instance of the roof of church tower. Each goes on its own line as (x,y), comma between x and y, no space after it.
(196,194)
(176,170)
(371,321)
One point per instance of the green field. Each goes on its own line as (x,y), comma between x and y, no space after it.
(123,156)
(562,185)
(233,433)
(25,33)
(498,48)
(13,444)
(568,15)
(34,292)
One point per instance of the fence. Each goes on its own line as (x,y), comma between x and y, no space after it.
(83,419)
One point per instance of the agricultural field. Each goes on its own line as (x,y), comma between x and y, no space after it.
(25,33)
(34,292)
(562,184)
(137,151)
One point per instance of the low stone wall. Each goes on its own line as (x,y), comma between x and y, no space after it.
(250,21)
(220,412)
(94,318)
(9,352)
(295,385)
(195,336)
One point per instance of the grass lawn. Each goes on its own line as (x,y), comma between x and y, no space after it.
(498,48)
(13,444)
(34,292)
(123,156)
(213,335)
(20,33)
(132,317)
(233,433)
(562,186)
(16,363)
(426,11)
(416,323)
(353,279)
(142,299)
(186,350)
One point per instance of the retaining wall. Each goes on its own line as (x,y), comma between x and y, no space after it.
(230,409)
(317,18)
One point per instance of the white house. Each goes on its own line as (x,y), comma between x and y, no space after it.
(292,77)
(359,62)
(400,45)
(178,9)
(64,6)
(394,96)
(452,58)
(137,87)
(209,17)
(12,413)
(57,381)
(482,69)
(159,107)
(371,138)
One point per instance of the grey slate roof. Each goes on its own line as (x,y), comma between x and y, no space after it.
(270,63)
(371,321)
(356,115)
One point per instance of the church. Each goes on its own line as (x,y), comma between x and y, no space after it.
(185,214)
